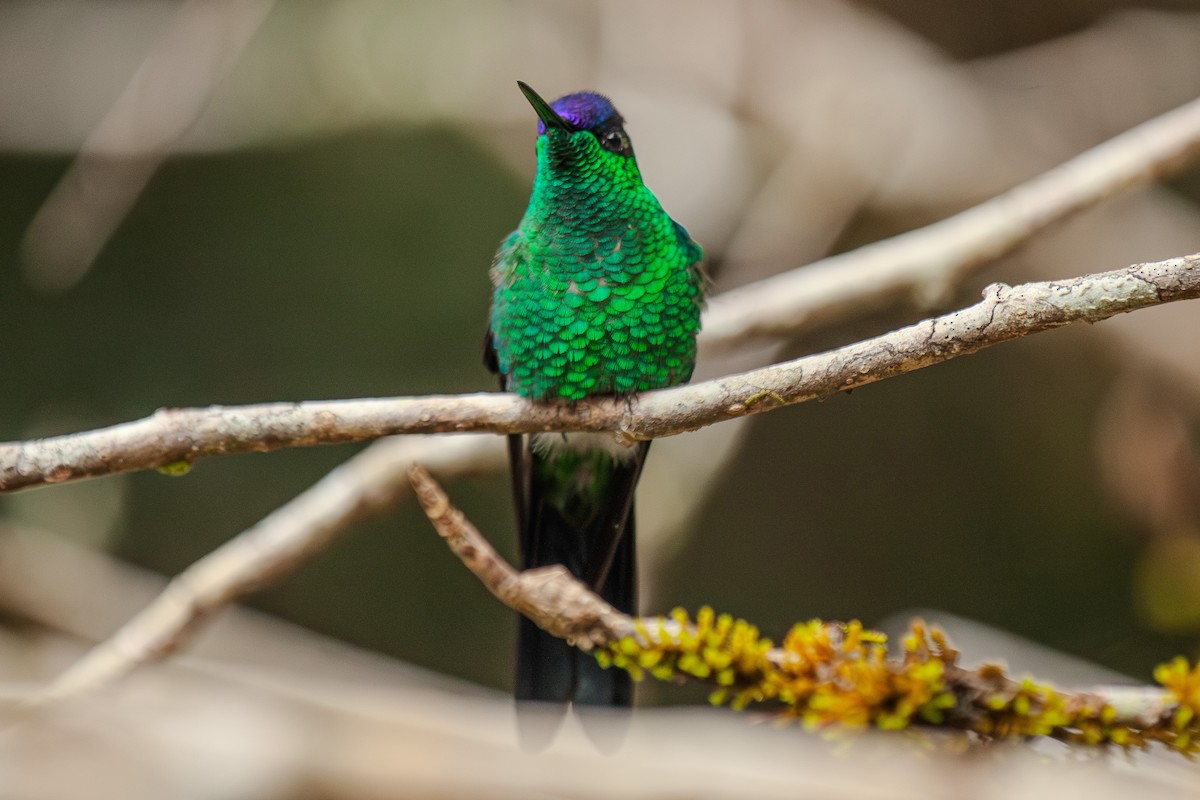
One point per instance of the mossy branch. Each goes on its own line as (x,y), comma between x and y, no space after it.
(827,673)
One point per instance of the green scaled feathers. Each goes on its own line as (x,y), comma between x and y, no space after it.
(597,291)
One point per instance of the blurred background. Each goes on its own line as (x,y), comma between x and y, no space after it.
(239,202)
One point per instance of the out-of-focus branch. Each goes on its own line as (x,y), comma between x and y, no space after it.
(179,436)
(159,104)
(926,264)
(105,592)
(276,731)
(840,675)
(358,489)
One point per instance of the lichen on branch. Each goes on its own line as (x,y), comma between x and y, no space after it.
(827,674)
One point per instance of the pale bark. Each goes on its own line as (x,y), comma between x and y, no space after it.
(177,437)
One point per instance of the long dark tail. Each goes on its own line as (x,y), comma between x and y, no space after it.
(551,670)
(595,539)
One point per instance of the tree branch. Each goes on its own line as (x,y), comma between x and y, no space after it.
(358,489)
(824,673)
(549,596)
(186,63)
(927,263)
(179,436)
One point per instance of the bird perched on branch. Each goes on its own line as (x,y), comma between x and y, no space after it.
(597,292)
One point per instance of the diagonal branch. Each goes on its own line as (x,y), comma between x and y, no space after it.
(927,263)
(179,436)
(549,596)
(158,106)
(360,488)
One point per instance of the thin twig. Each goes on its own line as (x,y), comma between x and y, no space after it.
(549,596)
(180,436)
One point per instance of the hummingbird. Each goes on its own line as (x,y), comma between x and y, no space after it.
(598,292)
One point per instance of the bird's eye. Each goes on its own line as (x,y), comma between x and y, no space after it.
(616,141)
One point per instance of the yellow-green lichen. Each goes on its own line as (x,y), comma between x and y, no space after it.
(825,674)
(176,468)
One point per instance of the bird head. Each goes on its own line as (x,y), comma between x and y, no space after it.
(583,125)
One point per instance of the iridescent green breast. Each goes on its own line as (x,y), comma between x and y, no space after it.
(598,290)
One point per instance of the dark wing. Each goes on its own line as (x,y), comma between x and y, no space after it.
(491,361)
(510,250)
(517,463)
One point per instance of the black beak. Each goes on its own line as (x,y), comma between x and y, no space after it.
(548,115)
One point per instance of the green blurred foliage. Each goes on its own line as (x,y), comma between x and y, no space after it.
(1167,591)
